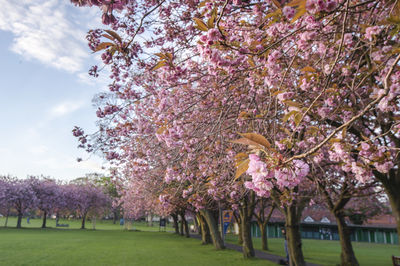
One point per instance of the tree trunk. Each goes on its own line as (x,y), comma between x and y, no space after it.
(196,225)
(205,231)
(264,239)
(8,213)
(391,183)
(213,226)
(94,223)
(296,257)
(181,225)
(245,216)
(83,221)
(347,256)
(44,219)
(239,222)
(176,226)
(115,216)
(186,227)
(150,220)
(19,220)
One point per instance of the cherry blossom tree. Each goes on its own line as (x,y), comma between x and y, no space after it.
(315,79)
(5,201)
(21,195)
(48,195)
(87,198)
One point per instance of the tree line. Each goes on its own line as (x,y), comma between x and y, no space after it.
(226,104)
(80,198)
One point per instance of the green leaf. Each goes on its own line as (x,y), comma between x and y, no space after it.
(159,64)
(211,20)
(308,69)
(301,8)
(242,168)
(257,138)
(288,115)
(114,34)
(103,45)
(297,118)
(200,24)
(293,104)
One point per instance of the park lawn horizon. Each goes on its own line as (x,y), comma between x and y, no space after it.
(76,224)
(327,252)
(110,245)
(36,246)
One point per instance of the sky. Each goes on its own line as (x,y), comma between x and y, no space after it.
(45,89)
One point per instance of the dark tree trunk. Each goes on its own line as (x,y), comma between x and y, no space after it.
(263,220)
(198,222)
(185,228)
(150,221)
(181,225)
(8,213)
(292,219)
(248,249)
(391,183)
(264,239)
(196,225)
(239,222)
(115,216)
(347,256)
(176,226)
(246,213)
(44,219)
(205,231)
(83,221)
(213,226)
(19,220)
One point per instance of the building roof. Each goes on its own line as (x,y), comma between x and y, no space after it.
(317,214)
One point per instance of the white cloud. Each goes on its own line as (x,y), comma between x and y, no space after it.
(65,108)
(43,30)
(38,149)
(89,166)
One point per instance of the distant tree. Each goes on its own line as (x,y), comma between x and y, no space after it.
(21,195)
(48,194)
(110,188)
(87,198)
(5,202)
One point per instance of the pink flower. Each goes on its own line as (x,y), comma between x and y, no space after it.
(213,34)
(312,6)
(384,167)
(370,31)
(324,112)
(257,169)
(377,56)
(288,12)
(330,5)
(301,169)
(321,4)
(365,146)
(348,39)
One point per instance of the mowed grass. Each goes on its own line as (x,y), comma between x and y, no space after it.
(109,245)
(76,224)
(326,252)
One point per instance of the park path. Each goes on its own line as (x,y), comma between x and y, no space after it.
(258,253)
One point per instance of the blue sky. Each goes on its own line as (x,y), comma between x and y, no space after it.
(45,89)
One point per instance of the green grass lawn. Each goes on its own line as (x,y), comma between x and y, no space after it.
(110,245)
(76,224)
(326,252)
